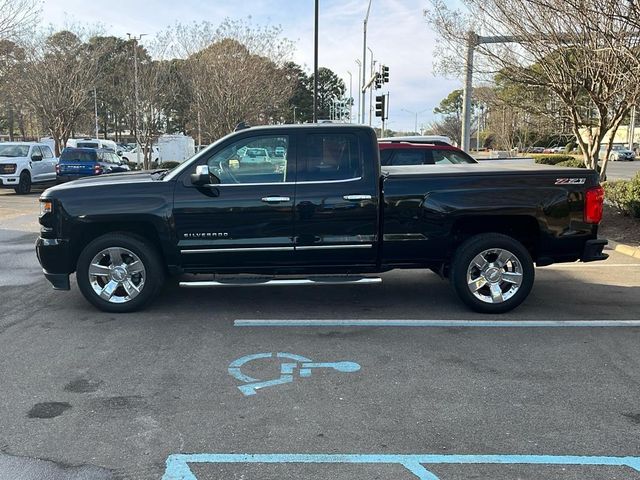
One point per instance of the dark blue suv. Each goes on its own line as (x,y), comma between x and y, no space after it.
(85,162)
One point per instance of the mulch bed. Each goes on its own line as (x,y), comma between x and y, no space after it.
(619,228)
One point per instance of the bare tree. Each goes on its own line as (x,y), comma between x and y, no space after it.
(17,17)
(57,79)
(236,72)
(584,51)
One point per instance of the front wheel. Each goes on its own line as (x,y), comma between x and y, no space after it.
(24,184)
(119,273)
(492,273)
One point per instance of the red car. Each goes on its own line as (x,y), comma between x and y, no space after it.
(401,152)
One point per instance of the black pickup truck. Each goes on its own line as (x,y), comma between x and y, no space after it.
(309,205)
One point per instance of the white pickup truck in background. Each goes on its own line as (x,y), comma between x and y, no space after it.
(23,164)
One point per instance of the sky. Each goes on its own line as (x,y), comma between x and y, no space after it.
(397,33)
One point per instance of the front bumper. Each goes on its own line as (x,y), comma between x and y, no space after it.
(55,257)
(9,181)
(593,250)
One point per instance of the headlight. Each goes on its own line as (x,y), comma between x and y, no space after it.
(46,206)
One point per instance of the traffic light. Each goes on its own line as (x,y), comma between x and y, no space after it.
(385,74)
(378,81)
(380,105)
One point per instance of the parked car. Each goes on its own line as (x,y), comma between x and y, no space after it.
(86,162)
(92,143)
(432,139)
(398,153)
(132,156)
(621,153)
(535,150)
(23,164)
(332,210)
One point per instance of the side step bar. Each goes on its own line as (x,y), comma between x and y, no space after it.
(242,282)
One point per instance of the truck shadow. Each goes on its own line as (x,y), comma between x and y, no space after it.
(404,295)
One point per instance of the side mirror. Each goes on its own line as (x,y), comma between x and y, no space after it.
(36,158)
(203,177)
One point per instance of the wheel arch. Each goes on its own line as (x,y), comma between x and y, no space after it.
(144,231)
(523,228)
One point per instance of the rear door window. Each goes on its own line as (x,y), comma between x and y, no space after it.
(330,157)
(46,152)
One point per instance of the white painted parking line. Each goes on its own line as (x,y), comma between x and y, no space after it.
(589,265)
(441,323)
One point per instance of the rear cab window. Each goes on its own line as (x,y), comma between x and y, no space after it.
(73,155)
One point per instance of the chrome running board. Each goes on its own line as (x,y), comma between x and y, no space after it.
(266,282)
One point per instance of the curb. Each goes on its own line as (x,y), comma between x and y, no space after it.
(625,249)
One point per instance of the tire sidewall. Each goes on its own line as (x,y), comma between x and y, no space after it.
(24,183)
(147,253)
(477,244)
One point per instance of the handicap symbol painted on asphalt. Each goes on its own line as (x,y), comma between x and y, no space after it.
(304,366)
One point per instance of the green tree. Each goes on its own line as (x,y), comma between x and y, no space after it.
(330,87)
(302,97)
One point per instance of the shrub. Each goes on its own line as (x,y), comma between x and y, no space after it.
(624,195)
(169,165)
(573,163)
(551,158)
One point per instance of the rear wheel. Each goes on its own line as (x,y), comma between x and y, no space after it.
(492,273)
(119,273)
(24,185)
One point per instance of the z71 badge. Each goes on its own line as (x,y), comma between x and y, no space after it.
(570,181)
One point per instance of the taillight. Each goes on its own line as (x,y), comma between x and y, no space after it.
(97,170)
(594,198)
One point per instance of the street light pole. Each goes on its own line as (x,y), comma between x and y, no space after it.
(359,85)
(364,60)
(416,117)
(373,66)
(315,65)
(350,97)
(95,107)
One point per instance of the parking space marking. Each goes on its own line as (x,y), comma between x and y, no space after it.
(287,370)
(177,465)
(441,323)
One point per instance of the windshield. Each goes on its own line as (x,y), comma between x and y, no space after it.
(14,151)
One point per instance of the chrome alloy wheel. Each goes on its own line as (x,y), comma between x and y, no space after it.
(117,275)
(494,276)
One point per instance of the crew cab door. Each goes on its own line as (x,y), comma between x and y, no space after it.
(49,162)
(38,167)
(336,211)
(247,219)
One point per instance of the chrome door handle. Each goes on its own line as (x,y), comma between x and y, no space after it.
(357,197)
(275,199)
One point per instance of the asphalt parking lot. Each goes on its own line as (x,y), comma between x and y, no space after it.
(156,394)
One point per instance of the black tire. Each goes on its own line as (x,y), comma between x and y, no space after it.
(24,184)
(463,263)
(147,254)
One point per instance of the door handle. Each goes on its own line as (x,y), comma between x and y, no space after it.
(275,199)
(354,198)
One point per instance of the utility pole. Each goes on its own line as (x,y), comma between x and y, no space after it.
(632,128)
(315,65)
(364,61)
(135,87)
(416,117)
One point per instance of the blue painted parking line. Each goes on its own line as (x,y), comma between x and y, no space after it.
(441,323)
(177,466)
(287,370)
